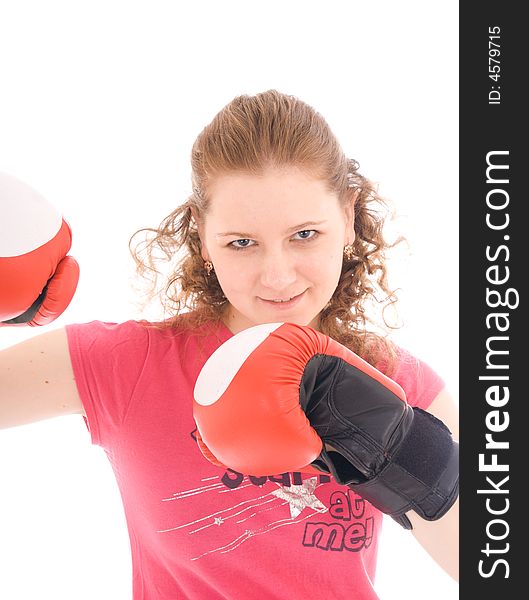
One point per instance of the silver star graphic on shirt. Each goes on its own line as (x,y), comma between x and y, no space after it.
(300,497)
(219,520)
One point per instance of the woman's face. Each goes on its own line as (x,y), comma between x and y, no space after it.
(276,243)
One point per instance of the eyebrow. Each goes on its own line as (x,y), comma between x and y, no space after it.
(245,235)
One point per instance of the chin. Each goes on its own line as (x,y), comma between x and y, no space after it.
(300,320)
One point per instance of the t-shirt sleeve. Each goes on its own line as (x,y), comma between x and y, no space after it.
(107,361)
(418,380)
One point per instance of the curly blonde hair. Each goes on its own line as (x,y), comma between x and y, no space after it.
(250,135)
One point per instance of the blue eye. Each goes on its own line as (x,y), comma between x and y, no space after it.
(307,234)
(244,243)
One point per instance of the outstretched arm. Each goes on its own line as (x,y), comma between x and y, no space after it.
(37,381)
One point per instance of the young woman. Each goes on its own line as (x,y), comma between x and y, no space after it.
(280,227)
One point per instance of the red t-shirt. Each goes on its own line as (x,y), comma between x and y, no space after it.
(196,530)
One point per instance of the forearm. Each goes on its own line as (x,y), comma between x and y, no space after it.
(440,538)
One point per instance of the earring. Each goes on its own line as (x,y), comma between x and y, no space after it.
(348,251)
(208,265)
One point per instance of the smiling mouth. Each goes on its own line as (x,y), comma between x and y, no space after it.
(282,301)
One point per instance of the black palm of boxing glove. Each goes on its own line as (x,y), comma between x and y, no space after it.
(397,457)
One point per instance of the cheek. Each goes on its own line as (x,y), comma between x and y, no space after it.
(324,265)
(234,275)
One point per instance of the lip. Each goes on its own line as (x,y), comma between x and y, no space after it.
(283,305)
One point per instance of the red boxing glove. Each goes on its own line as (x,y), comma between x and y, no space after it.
(37,278)
(279,396)
(247,399)
(246,405)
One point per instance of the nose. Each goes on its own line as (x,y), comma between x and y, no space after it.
(278,271)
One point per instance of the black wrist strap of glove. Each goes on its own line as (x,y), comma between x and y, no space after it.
(422,475)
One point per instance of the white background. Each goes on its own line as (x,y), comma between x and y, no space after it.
(100,103)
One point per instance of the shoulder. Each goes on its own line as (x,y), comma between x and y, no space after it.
(177,333)
(130,330)
(103,333)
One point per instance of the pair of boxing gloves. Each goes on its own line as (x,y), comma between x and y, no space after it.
(282,397)
(37,277)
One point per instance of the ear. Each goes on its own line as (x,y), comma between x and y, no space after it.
(349,211)
(200,228)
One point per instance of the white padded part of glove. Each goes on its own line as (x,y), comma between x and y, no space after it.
(27,220)
(222,366)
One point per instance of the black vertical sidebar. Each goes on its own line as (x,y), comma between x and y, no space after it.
(494,254)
